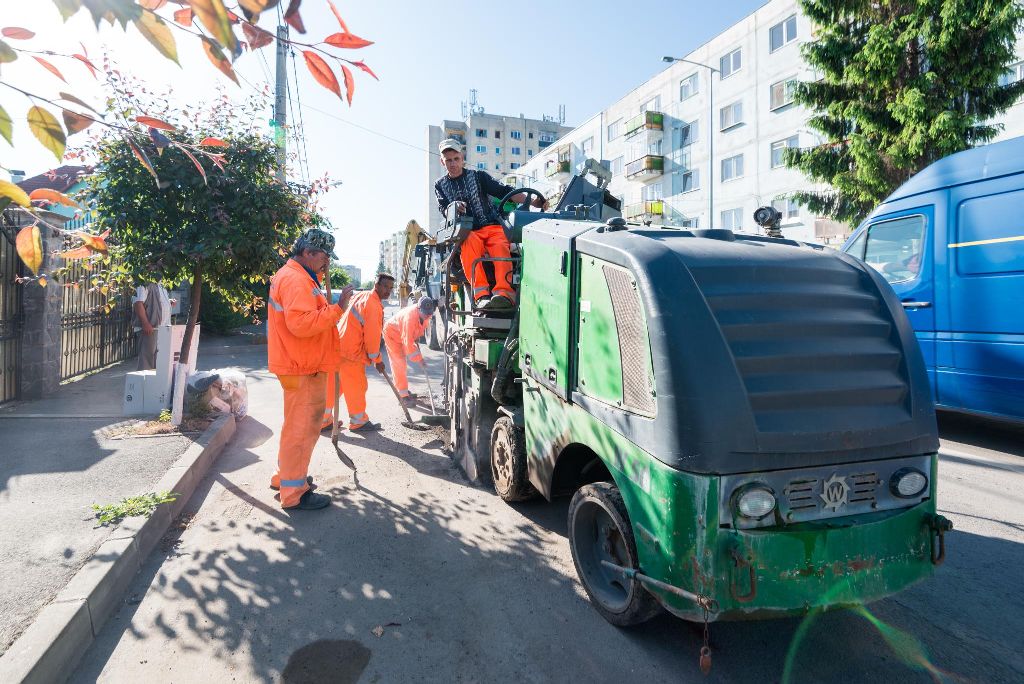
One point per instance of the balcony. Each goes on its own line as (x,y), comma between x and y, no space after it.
(555,168)
(646,208)
(646,122)
(649,166)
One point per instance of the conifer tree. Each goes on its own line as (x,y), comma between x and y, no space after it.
(901,83)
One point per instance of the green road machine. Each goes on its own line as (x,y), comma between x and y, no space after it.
(743,422)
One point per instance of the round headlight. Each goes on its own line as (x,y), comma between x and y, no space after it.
(756,502)
(908,482)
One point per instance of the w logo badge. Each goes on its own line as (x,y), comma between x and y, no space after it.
(834,492)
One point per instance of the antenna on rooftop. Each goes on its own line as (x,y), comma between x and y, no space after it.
(560,119)
(471,108)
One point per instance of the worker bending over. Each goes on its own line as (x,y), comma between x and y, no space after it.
(400,337)
(302,347)
(361,329)
(470,189)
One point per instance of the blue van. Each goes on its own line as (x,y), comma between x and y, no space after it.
(950,241)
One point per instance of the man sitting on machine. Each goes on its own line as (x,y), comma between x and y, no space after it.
(469,189)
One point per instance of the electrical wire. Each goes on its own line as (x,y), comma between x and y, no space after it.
(298,108)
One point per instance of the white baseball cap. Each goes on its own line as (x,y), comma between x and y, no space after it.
(449,144)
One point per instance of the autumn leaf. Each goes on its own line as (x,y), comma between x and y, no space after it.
(142,157)
(47,130)
(291,16)
(347,41)
(76,253)
(29,245)
(213,142)
(214,17)
(217,159)
(322,72)
(202,171)
(350,83)
(159,35)
(49,67)
(16,33)
(85,60)
(362,65)
(71,98)
(183,16)
(52,196)
(337,15)
(252,8)
(7,53)
(14,193)
(76,123)
(216,55)
(6,126)
(154,123)
(96,243)
(256,36)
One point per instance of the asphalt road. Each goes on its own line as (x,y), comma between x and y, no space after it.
(419,576)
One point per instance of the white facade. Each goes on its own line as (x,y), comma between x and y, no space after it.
(494,143)
(663,170)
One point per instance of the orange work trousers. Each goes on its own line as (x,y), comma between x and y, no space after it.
(489,240)
(303,401)
(399,362)
(353,389)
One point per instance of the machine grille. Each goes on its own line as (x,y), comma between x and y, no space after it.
(637,392)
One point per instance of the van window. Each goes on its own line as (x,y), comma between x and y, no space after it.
(990,235)
(895,247)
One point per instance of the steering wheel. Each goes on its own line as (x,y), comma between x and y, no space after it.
(523,206)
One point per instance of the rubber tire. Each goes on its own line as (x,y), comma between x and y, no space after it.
(509,440)
(639,605)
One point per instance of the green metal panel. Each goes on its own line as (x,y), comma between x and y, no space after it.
(599,372)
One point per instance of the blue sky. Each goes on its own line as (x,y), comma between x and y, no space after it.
(523,57)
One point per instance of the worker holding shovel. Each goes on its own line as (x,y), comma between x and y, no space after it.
(400,337)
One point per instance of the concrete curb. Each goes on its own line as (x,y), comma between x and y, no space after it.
(51,647)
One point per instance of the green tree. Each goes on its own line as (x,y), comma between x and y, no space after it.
(901,85)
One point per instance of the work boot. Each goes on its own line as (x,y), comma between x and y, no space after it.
(482,304)
(500,303)
(311,501)
(309,481)
(409,401)
(366,427)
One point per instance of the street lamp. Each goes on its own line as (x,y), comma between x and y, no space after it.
(711,131)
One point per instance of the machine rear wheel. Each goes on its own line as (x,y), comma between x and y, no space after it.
(599,530)
(508,462)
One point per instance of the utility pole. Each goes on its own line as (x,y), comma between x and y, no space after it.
(281,103)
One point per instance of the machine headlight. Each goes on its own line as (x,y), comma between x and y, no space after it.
(755,502)
(907,483)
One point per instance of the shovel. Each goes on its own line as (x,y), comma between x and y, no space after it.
(408,422)
(434,418)
(337,403)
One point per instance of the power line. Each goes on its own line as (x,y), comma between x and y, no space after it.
(298,108)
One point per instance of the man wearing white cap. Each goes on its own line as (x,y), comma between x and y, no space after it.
(470,189)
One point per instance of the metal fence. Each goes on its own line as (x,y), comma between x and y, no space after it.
(91,337)
(11,313)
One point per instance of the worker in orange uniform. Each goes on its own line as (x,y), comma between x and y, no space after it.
(302,347)
(361,329)
(470,189)
(400,338)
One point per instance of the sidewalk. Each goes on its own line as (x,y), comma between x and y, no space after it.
(54,464)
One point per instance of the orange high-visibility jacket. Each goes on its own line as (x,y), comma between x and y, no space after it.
(361,327)
(301,337)
(407,326)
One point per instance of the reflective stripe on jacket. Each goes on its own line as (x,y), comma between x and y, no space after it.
(361,328)
(301,334)
(408,326)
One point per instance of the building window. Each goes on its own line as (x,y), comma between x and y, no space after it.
(684,134)
(529,153)
(617,166)
(731,115)
(514,165)
(517,150)
(482,166)
(497,150)
(482,149)
(781,93)
(688,223)
(497,134)
(730,63)
(497,167)
(732,219)
(516,135)
(688,87)
(481,132)
(779,150)
(685,181)
(781,34)
(787,207)
(652,105)
(1012,75)
(587,146)
(530,135)
(651,192)
(732,167)
(614,129)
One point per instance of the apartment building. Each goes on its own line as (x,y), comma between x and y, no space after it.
(494,143)
(701,143)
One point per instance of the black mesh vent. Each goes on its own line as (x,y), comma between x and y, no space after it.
(633,354)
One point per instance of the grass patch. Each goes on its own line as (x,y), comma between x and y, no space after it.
(142,505)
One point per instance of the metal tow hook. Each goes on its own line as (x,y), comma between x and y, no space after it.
(939,526)
(740,561)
